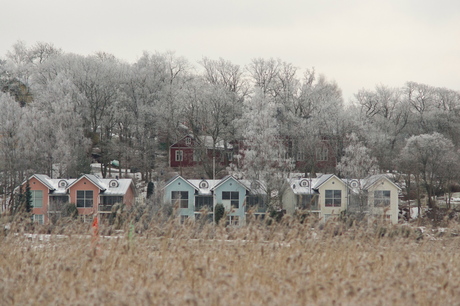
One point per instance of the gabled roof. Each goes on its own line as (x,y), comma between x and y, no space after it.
(323,179)
(364,184)
(45,180)
(310,185)
(174,145)
(254,186)
(118,187)
(42,178)
(227,178)
(176,178)
(370,181)
(92,178)
(204,140)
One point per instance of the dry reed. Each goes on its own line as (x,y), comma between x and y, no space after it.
(290,263)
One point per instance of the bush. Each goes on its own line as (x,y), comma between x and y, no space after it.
(219,212)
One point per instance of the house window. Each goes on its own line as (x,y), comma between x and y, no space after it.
(37,198)
(84,198)
(183,219)
(382,198)
(233,197)
(203,202)
(38,218)
(333,198)
(308,201)
(57,202)
(300,156)
(188,141)
(322,154)
(256,201)
(229,156)
(180,197)
(204,218)
(179,155)
(111,200)
(197,153)
(233,220)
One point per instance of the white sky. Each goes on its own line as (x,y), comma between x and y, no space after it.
(358,43)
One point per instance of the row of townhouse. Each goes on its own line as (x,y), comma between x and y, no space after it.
(196,199)
(89,193)
(326,196)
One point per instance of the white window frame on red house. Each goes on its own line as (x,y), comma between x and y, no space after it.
(179,155)
(300,156)
(322,153)
(197,154)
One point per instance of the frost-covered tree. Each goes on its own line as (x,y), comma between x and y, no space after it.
(384,116)
(12,160)
(56,130)
(429,157)
(226,74)
(357,162)
(264,73)
(316,115)
(264,150)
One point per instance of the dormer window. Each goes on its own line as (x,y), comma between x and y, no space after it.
(204,184)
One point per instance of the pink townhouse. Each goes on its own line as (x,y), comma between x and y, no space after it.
(89,193)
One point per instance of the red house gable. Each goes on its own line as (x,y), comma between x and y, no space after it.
(190,152)
(181,152)
(324,157)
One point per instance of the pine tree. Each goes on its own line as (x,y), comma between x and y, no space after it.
(27,203)
(150,189)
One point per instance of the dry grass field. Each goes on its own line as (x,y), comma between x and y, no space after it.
(283,264)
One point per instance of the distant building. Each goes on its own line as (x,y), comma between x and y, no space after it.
(376,196)
(327,196)
(190,151)
(192,198)
(324,197)
(90,194)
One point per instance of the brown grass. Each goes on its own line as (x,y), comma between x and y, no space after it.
(283,264)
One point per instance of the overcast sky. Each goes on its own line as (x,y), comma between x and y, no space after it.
(359,44)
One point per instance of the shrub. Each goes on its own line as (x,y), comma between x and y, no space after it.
(219,211)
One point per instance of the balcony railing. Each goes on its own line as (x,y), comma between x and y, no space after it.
(105,208)
(256,208)
(203,207)
(309,208)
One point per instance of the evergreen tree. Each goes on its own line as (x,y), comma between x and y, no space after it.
(150,189)
(27,203)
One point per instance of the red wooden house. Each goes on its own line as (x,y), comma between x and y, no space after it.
(322,156)
(190,151)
